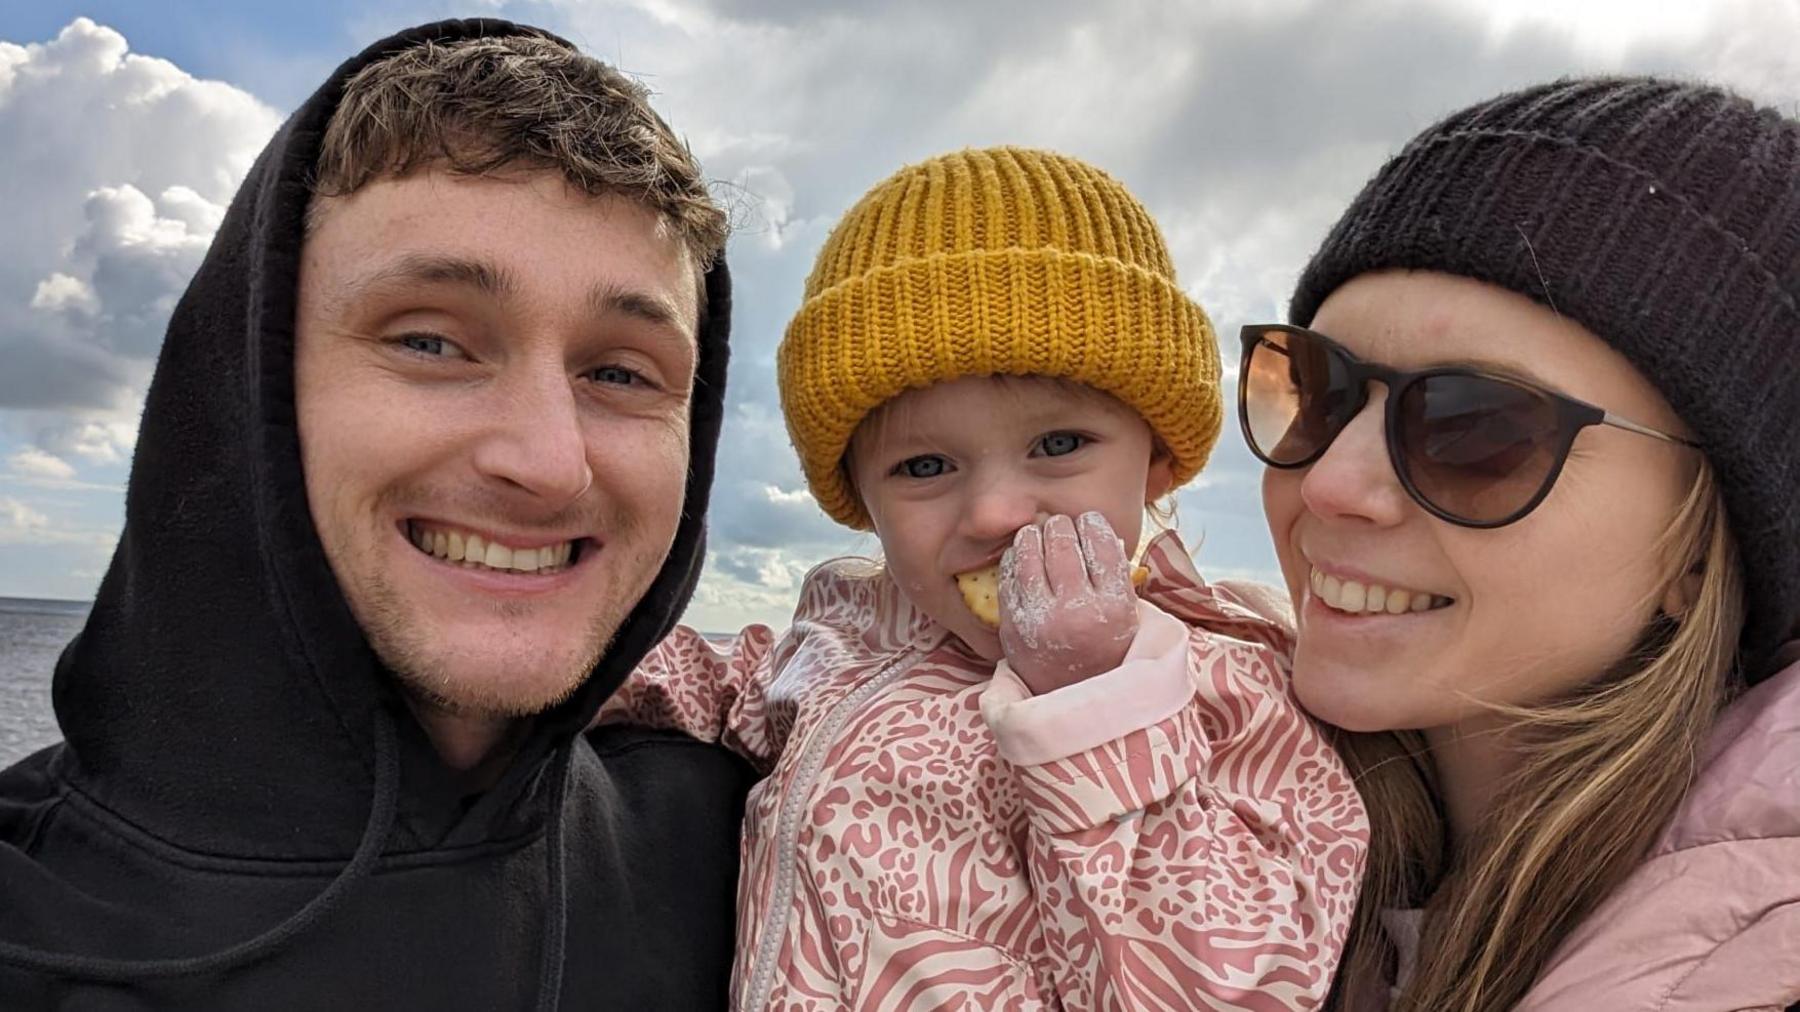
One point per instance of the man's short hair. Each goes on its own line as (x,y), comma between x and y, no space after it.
(484,105)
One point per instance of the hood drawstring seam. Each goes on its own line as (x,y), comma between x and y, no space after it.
(382,810)
(556,905)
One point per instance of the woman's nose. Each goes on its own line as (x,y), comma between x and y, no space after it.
(1355,478)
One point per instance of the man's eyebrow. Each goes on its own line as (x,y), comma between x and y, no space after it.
(650,308)
(437,268)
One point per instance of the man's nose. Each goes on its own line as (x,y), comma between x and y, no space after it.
(1355,478)
(534,439)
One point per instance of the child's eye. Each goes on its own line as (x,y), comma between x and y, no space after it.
(926,466)
(1058,443)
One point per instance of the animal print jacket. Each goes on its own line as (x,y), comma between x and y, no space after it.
(1172,834)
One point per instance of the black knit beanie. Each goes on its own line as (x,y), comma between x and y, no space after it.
(1664,217)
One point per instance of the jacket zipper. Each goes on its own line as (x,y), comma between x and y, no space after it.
(787,824)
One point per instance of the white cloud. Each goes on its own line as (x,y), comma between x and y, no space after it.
(1598,24)
(48,512)
(1244,127)
(60,293)
(798,496)
(34,463)
(100,439)
(766,568)
(140,261)
(18,518)
(118,170)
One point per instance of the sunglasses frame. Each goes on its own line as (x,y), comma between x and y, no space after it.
(1571,417)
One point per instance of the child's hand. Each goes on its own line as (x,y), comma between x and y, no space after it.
(1067,608)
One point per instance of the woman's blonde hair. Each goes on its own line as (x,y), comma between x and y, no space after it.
(1601,774)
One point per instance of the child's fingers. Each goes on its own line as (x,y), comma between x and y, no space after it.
(1064,562)
(1022,571)
(1103,552)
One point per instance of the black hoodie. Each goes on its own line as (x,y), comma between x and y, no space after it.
(244,814)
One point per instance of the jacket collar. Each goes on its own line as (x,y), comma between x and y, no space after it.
(1749,781)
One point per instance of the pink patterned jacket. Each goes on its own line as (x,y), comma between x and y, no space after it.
(1172,834)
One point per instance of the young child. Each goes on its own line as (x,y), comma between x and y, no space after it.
(1108,801)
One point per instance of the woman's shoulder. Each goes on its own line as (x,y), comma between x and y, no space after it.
(1712,918)
(1749,782)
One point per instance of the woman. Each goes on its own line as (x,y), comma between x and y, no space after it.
(1535,488)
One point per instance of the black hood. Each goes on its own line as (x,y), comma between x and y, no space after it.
(222,697)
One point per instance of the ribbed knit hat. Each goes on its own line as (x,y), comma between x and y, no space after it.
(1664,217)
(995,261)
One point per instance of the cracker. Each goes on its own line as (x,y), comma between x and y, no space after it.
(981,591)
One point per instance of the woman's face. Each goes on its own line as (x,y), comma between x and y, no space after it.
(1523,612)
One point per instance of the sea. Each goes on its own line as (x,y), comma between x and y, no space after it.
(32,634)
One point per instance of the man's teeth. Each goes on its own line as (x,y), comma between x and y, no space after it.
(472,551)
(1371,598)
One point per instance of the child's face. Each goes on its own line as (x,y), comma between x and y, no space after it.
(948,473)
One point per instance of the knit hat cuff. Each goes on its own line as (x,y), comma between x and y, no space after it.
(1094,320)
(1534,240)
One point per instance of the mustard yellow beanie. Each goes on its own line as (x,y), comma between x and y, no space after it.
(1000,260)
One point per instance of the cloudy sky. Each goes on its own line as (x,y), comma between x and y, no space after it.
(125,127)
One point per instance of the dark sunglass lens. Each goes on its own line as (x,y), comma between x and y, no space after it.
(1476,447)
(1294,391)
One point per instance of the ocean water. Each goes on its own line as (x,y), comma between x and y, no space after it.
(32,634)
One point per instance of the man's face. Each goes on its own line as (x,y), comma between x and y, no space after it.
(493,378)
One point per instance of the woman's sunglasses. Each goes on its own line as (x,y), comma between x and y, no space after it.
(1472,448)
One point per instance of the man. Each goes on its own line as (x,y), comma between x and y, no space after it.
(421,475)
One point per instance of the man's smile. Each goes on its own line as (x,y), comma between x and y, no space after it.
(473,550)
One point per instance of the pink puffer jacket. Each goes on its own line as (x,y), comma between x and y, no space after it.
(1711,921)
(1172,834)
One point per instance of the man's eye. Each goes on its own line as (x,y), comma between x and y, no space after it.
(617,375)
(929,466)
(427,344)
(1058,443)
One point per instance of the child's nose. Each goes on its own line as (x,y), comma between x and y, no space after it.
(998,509)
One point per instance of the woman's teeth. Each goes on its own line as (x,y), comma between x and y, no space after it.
(1371,598)
(476,553)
